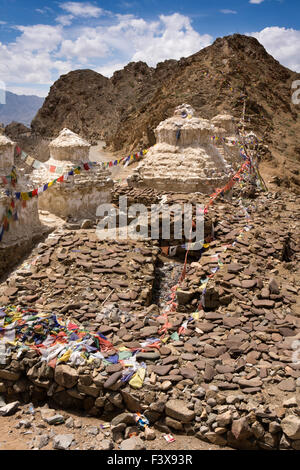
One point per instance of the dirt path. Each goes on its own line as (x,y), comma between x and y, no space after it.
(14,436)
(99,154)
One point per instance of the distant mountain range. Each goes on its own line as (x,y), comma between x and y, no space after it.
(19,108)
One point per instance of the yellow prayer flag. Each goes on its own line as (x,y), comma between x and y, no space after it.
(65,357)
(138,379)
(202,287)
(29,160)
(123,348)
(25,196)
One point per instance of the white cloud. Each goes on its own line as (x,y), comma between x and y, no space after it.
(39,37)
(2,22)
(282,44)
(108,69)
(21,66)
(41,53)
(44,11)
(29,90)
(31,58)
(134,39)
(65,20)
(228,12)
(174,38)
(83,9)
(78,10)
(89,44)
(256,2)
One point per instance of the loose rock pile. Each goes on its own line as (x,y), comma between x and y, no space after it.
(149,197)
(74,271)
(145,196)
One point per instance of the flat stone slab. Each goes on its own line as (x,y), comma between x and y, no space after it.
(56,419)
(9,409)
(291,426)
(287,385)
(62,441)
(250,383)
(162,370)
(234,268)
(151,356)
(248,284)
(134,443)
(263,303)
(112,379)
(177,409)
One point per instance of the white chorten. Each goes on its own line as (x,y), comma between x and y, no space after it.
(19,220)
(184,158)
(225,122)
(79,196)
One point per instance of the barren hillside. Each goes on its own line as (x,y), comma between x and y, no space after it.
(125,109)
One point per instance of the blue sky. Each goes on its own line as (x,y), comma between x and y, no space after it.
(40,40)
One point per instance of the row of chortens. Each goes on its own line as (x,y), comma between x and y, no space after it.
(185,158)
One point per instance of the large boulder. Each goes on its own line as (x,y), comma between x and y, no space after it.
(184,297)
(9,375)
(62,441)
(66,376)
(177,409)
(240,429)
(10,409)
(134,443)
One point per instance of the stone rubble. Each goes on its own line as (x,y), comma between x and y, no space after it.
(230,378)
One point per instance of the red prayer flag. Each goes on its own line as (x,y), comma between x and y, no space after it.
(165,250)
